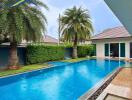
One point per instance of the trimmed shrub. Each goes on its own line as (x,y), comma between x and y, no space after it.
(85,50)
(42,53)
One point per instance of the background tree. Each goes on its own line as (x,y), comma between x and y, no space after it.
(76,25)
(23,22)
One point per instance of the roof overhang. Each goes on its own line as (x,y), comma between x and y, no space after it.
(123,10)
(112,38)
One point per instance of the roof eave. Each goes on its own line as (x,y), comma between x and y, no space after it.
(112,38)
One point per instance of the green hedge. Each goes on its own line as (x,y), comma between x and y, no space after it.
(86,50)
(42,53)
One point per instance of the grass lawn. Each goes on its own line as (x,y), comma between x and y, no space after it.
(23,69)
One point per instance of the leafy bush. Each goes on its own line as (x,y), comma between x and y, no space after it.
(42,53)
(85,50)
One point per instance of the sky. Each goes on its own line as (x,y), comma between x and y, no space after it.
(102,17)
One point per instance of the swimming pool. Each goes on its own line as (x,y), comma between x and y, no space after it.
(67,82)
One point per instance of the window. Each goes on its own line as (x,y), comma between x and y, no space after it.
(106,49)
(122,49)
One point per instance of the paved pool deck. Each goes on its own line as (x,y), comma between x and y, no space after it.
(120,87)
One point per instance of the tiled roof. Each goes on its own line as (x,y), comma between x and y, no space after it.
(49,39)
(117,32)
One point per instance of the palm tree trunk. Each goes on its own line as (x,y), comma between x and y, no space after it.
(74,55)
(13,57)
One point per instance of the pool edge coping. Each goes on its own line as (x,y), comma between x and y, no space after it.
(94,92)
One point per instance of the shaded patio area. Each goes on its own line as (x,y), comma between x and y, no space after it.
(120,88)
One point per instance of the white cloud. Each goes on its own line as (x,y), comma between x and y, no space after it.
(52,18)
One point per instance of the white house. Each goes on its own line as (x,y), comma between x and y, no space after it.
(114,42)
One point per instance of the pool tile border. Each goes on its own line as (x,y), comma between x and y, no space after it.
(98,89)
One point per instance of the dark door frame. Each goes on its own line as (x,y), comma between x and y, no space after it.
(114,49)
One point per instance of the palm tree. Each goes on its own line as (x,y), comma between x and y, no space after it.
(23,22)
(76,25)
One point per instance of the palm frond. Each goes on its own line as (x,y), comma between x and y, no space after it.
(76,22)
(25,22)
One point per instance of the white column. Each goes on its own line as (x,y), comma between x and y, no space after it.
(127,50)
(100,50)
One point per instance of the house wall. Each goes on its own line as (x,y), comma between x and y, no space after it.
(100,49)
(100,46)
(4,55)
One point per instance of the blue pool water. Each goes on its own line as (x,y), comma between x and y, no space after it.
(67,82)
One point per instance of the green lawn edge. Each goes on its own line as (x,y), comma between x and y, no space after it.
(23,69)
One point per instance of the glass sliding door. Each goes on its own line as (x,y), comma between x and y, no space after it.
(122,49)
(114,49)
(106,49)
